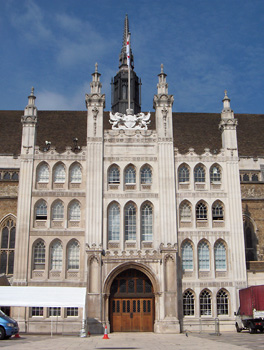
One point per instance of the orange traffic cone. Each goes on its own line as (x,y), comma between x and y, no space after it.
(105,333)
(17,335)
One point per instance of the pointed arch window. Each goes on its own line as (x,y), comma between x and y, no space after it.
(130,222)
(73,254)
(184,174)
(199,174)
(75,211)
(130,175)
(146,175)
(58,211)
(203,256)
(59,174)
(215,174)
(43,173)
(41,210)
(201,211)
(185,212)
(205,303)
(222,302)
(218,211)
(39,250)
(187,256)
(220,256)
(114,175)
(147,222)
(7,251)
(188,303)
(56,253)
(114,222)
(76,174)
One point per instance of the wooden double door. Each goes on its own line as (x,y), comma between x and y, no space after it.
(131,304)
(132,314)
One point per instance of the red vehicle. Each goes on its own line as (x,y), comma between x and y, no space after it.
(250,315)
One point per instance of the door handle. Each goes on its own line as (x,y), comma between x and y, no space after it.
(131,314)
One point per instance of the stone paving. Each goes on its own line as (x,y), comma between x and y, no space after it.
(135,341)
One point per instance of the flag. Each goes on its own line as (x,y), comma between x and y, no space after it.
(128,51)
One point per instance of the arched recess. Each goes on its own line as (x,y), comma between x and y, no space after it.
(130,303)
(7,244)
(251,239)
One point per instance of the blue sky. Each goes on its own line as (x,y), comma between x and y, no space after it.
(206,46)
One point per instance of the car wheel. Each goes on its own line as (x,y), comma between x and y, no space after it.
(2,333)
(251,330)
(238,329)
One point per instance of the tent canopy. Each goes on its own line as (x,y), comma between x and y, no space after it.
(42,296)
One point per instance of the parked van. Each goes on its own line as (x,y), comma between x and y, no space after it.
(8,326)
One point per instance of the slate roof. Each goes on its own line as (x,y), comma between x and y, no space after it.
(191,130)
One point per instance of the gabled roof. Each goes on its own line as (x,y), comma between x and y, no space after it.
(191,130)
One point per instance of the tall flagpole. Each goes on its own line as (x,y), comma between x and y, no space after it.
(128,67)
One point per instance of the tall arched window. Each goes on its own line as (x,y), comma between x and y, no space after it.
(75,211)
(59,173)
(43,173)
(215,174)
(114,175)
(73,255)
(220,256)
(184,173)
(199,174)
(203,256)
(201,211)
(188,303)
(114,222)
(187,256)
(76,173)
(56,253)
(146,223)
(205,303)
(7,251)
(41,210)
(39,255)
(130,222)
(58,211)
(185,212)
(222,302)
(130,175)
(146,175)
(218,211)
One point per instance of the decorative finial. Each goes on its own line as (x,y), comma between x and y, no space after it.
(96,67)
(225,92)
(161,68)
(32,91)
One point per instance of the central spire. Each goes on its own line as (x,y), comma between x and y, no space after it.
(122,56)
(119,84)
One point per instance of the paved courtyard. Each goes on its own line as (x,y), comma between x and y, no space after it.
(126,341)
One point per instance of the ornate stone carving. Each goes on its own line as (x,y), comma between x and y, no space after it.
(129,120)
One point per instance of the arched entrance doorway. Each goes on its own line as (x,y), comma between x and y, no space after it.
(131,306)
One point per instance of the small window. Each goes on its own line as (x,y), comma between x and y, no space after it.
(56,256)
(59,174)
(188,303)
(130,175)
(146,175)
(39,255)
(73,255)
(222,302)
(217,211)
(114,175)
(199,174)
(146,223)
(205,303)
(7,250)
(72,312)
(130,222)
(220,256)
(201,211)
(113,222)
(54,311)
(76,174)
(245,177)
(203,256)
(185,212)
(75,211)
(255,177)
(184,174)
(58,211)
(187,256)
(215,174)
(43,173)
(36,311)
(41,210)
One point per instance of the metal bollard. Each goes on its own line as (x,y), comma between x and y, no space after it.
(217,326)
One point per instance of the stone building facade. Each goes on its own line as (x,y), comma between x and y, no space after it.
(143,210)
